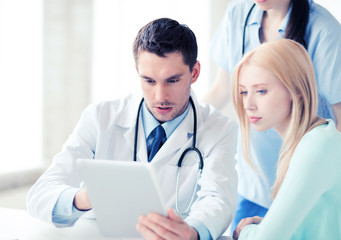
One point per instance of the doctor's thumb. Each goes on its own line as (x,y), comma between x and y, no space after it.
(173,216)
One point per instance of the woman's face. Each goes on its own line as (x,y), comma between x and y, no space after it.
(267,102)
(266,5)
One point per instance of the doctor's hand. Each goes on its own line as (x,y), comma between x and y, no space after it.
(155,226)
(81,200)
(244,222)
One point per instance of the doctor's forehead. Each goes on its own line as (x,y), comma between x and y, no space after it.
(148,59)
(161,55)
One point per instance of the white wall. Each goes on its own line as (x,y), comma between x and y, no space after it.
(333,6)
(67,69)
(116,24)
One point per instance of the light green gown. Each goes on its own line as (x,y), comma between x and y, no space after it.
(308,204)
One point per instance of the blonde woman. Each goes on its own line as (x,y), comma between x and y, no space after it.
(274,87)
(246,25)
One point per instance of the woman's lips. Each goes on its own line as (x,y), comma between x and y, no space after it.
(254,119)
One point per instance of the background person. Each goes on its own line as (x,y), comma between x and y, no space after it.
(274,87)
(303,21)
(165,53)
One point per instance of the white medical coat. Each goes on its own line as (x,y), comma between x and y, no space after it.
(106,131)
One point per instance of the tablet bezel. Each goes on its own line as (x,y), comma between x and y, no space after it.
(120,192)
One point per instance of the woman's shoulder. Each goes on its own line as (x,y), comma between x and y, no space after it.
(320,19)
(319,152)
(323,132)
(239,8)
(322,140)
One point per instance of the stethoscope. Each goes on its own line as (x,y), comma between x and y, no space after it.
(181,159)
(244,29)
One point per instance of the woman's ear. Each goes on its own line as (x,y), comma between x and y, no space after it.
(299,94)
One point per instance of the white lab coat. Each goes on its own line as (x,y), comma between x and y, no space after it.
(106,131)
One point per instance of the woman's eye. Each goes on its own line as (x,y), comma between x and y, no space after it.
(243,92)
(262,92)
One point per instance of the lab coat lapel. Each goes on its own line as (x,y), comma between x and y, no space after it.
(127,121)
(181,137)
(129,135)
(176,141)
(142,155)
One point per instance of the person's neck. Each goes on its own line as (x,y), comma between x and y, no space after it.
(272,20)
(280,11)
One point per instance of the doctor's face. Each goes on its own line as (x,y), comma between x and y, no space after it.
(166,83)
(267,102)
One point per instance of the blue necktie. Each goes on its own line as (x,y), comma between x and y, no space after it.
(159,133)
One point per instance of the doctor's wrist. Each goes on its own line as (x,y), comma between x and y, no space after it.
(195,234)
(81,201)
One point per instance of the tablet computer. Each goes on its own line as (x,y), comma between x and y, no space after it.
(120,191)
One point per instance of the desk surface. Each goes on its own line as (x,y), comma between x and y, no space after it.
(19,225)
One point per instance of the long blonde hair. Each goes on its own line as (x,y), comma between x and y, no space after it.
(291,64)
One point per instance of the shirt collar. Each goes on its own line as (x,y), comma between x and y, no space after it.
(256,17)
(150,122)
(284,23)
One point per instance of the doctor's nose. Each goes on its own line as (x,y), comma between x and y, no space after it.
(161,93)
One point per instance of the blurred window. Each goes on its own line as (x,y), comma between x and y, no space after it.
(20,84)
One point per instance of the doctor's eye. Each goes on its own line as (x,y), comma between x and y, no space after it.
(149,81)
(173,80)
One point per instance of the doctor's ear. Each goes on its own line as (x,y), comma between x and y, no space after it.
(137,69)
(195,71)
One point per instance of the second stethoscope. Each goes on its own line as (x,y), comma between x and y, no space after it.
(244,29)
(181,159)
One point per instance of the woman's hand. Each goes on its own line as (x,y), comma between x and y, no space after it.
(244,222)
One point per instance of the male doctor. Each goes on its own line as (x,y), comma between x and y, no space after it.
(165,54)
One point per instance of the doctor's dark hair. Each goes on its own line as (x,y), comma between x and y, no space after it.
(298,21)
(165,35)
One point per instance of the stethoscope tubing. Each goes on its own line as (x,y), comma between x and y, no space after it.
(244,29)
(181,159)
